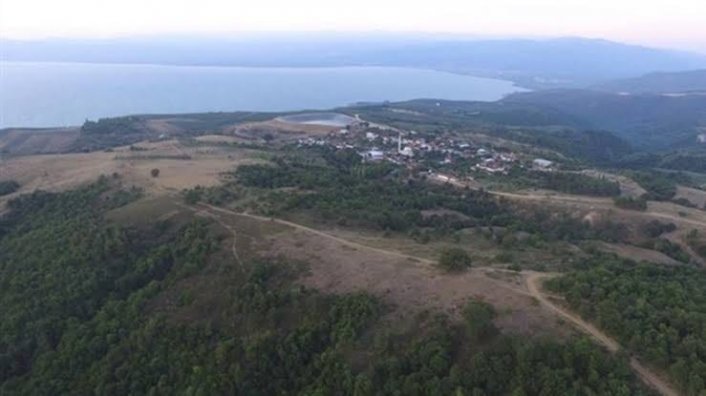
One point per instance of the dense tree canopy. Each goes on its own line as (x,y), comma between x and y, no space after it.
(658,312)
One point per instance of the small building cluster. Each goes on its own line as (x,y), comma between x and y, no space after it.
(494,162)
(377,143)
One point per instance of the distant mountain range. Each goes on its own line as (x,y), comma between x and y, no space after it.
(563,62)
(692,81)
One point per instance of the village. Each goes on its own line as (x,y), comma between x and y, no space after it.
(445,159)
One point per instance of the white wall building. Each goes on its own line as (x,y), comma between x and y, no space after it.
(542,163)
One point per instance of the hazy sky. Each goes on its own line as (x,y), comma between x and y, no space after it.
(667,23)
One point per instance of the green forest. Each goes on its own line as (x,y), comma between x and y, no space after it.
(339,188)
(336,187)
(657,312)
(80,301)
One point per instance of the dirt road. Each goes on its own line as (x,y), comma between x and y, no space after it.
(314,231)
(645,374)
(216,218)
(533,285)
(576,199)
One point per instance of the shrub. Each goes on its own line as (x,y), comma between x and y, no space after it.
(656,228)
(515,267)
(479,317)
(454,260)
(631,203)
(8,187)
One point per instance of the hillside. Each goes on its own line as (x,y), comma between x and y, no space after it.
(242,247)
(647,121)
(693,81)
(139,307)
(18,141)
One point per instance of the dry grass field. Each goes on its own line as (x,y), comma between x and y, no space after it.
(180,167)
(278,130)
(696,197)
(409,285)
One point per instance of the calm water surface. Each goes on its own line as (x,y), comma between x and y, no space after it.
(58,94)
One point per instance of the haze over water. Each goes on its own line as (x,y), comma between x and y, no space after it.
(60,94)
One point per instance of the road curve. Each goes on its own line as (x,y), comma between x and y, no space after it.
(533,286)
(645,374)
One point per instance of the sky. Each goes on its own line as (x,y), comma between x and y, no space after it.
(661,23)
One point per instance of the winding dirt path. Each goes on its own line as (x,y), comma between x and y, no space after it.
(646,375)
(234,246)
(417,260)
(575,199)
(314,231)
(533,282)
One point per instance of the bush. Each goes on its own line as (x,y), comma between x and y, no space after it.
(631,203)
(479,317)
(154,172)
(656,228)
(454,260)
(8,187)
(514,267)
(659,186)
(684,202)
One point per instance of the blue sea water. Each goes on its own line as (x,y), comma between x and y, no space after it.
(61,94)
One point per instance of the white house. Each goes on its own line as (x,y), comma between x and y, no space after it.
(374,155)
(407,152)
(542,163)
